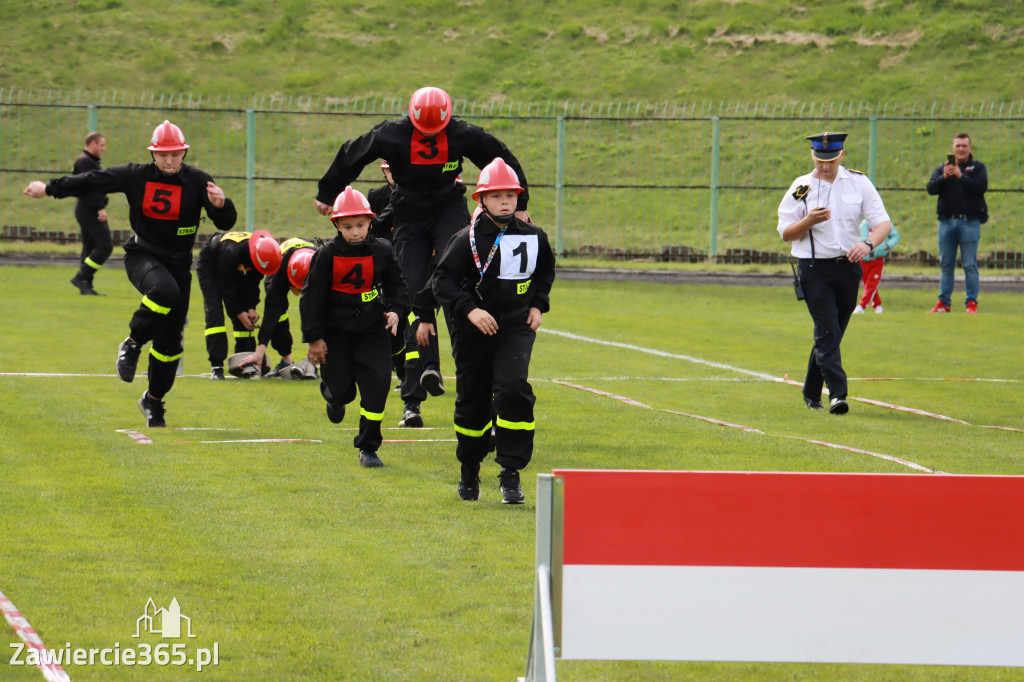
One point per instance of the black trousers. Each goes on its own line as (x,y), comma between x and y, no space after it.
(492,387)
(166,288)
(96,243)
(830,291)
(216,331)
(419,240)
(360,361)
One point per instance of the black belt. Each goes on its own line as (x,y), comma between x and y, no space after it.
(955,216)
(836,259)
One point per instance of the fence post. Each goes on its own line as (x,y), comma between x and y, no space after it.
(873,153)
(716,136)
(93,125)
(560,189)
(250,170)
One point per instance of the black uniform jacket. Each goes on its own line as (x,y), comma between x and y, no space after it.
(508,292)
(164,210)
(238,281)
(380,204)
(83,164)
(965,196)
(423,168)
(278,285)
(346,287)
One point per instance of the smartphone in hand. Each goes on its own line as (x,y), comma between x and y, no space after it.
(950,159)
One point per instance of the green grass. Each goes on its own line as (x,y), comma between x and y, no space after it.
(594,50)
(300,565)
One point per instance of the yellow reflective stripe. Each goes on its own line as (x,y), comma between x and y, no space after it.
(398,352)
(154,307)
(216,330)
(516,426)
(236,236)
(245,334)
(372,416)
(368,296)
(92,264)
(412,318)
(295,243)
(473,432)
(164,358)
(412,355)
(283,317)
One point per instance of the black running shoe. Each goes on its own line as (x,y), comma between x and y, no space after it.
(127,359)
(511,493)
(153,410)
(335,412)
(217,373)
(411,417)
(84,286)
(838,406)
(432,382)
(370,460)
(469,484)
(813,404)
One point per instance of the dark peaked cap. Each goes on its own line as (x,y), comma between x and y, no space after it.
(826,146)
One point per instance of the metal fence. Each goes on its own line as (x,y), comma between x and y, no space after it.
(696,181)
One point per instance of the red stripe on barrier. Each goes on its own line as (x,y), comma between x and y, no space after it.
(896,521)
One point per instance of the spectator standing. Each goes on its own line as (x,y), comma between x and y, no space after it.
(960,184)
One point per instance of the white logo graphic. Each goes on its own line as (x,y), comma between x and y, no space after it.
(295,271)
(163,622)
(444,114)
(263,263)
(416,113)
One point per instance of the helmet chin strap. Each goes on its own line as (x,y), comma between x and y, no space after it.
(499,220)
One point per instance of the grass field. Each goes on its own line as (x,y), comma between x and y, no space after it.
(300,565)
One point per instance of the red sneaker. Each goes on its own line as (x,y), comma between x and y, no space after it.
(940,307)
(972,307)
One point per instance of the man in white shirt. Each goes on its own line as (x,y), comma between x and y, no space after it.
(821,215)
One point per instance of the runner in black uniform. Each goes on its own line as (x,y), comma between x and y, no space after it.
(425,153)
(91,214)
(165,200)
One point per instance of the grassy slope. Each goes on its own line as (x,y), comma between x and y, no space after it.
(596,50)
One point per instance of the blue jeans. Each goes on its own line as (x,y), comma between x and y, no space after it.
(965,234)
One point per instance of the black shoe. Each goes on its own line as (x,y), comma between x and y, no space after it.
(279,366)
(84,286)
(335,412)
(813,404)
(127,359)
(838,406)
(370,460)
(153,410)
(412,417)
(511,493)
(217,373)
(469,484)
(432,382)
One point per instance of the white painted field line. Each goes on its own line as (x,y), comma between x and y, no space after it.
(664,354)
(51,671)
(749,429)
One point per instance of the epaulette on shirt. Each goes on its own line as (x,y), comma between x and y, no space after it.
(855,171)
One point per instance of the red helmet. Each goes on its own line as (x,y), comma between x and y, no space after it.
(167,137)
(430,109)
(298,267)
(497,175)
(351,202)
(264,252)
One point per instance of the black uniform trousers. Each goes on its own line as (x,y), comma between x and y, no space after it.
(96,243)
(492,387)
(213,307)
(830,291)
(360,360)
(166,287)
(418,240)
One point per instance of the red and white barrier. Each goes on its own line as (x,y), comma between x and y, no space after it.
(800,567)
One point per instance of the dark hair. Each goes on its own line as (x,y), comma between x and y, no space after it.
(93,137)
(962,136)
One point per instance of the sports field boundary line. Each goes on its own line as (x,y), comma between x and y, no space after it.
(51,671)
(748,429)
